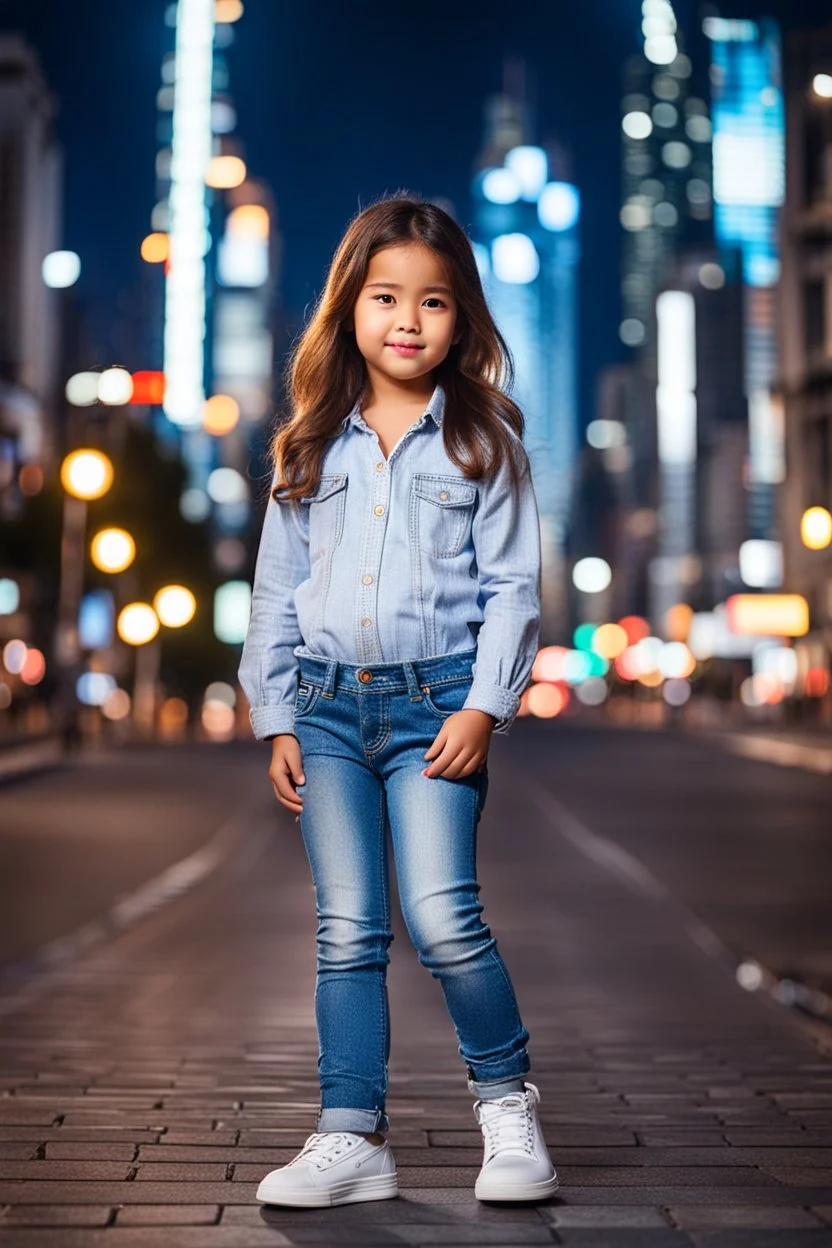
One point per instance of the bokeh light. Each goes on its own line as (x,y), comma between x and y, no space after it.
(137,623)
(548,663)
(9,595)
(816,528)
(220,414)
(115,387)
(34,667)
(82,389)
(112,550)
(175,606)
(591,575)
(545,700)
(61,269)
(117,705)
(609,640)
(156,248)
(30,480)
(86,474)
(14,656)
(225,172)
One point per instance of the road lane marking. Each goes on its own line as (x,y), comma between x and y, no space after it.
(39,970)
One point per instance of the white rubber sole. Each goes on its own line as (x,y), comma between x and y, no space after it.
(348,1192)
(516,1191)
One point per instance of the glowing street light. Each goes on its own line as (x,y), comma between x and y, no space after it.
(155,248)
(137,624)
(220,414)
(86,474)
(115,387)
(112,550)
(175,606)
(61,269)
(816,528)
(225,172)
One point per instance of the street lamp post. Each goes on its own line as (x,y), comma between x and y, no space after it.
(86,475)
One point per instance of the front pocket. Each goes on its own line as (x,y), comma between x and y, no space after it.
(326,512)
(442,508)
(446,699)
(305,699)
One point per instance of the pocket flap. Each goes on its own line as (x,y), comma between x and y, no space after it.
(330,483)
(444,491)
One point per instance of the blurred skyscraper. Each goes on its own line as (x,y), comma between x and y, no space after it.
(31,171)
(215,230)
(806,341)
(526,213)
(749,187)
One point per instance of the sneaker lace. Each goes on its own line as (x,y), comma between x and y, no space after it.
(508,1125)
(322,1147)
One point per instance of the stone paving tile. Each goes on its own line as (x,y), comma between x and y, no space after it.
(697,1217)
(762,1239)
(614,1216)
(56,1215)
(176,1172)
(114,1151)
(168,1215)
(17,1152)
(581,1237)
(148,1237)
(49,1171)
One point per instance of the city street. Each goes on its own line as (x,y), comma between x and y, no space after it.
(165,1060)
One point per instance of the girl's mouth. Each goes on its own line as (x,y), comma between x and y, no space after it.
(401,349)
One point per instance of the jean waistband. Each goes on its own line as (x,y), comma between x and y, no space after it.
(408,675)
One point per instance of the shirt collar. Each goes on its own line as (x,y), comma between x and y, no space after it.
(435,408)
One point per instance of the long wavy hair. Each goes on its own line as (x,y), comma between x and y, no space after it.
(327,373)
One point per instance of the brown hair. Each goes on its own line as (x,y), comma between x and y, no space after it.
(327,372)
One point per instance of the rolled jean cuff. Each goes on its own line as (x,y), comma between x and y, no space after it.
(495,1088)
(366,1120)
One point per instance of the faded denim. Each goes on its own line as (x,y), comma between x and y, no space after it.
(396,558)
(362,743)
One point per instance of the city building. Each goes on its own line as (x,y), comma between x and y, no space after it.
(526,215)
(805,372)
(214,229)
(749,187)
(30,214)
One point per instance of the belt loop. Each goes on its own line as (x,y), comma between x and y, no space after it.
(412,682)
(328,690)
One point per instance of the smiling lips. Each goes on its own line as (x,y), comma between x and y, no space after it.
(404,348)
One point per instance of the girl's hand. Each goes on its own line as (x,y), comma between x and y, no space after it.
(286,771)
(461,745)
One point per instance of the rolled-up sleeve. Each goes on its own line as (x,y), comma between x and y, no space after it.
(268,667)
(506,536)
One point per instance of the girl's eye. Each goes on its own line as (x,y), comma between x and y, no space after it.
(430,299)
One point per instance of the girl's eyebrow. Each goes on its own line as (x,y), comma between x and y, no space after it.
(445,290)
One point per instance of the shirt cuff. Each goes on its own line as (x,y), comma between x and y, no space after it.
(496,700)
(269,721)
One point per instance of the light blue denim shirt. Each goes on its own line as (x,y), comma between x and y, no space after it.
(396,558)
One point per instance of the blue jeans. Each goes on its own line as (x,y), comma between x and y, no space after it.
(363,732)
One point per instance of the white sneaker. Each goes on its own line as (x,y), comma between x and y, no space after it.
(517,1165)
(333,1168)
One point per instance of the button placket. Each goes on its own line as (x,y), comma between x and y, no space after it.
(369,645)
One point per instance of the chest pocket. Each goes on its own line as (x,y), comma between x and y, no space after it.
(441,511)
(326,512)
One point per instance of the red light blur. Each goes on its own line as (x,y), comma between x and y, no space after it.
(635,627)
(817,682)
(148,388)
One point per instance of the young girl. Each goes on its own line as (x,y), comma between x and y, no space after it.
(394,625)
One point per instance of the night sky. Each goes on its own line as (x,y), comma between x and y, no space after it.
(338,104)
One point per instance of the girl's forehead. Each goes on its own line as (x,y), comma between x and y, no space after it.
(407,261)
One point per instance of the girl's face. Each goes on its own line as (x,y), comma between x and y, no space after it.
(406,299)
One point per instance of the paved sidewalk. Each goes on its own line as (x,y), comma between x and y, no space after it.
(148,1087)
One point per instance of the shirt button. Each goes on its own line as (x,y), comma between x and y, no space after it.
(365,623)
(443,493)
(379,510)
(380,466)
(367,580)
